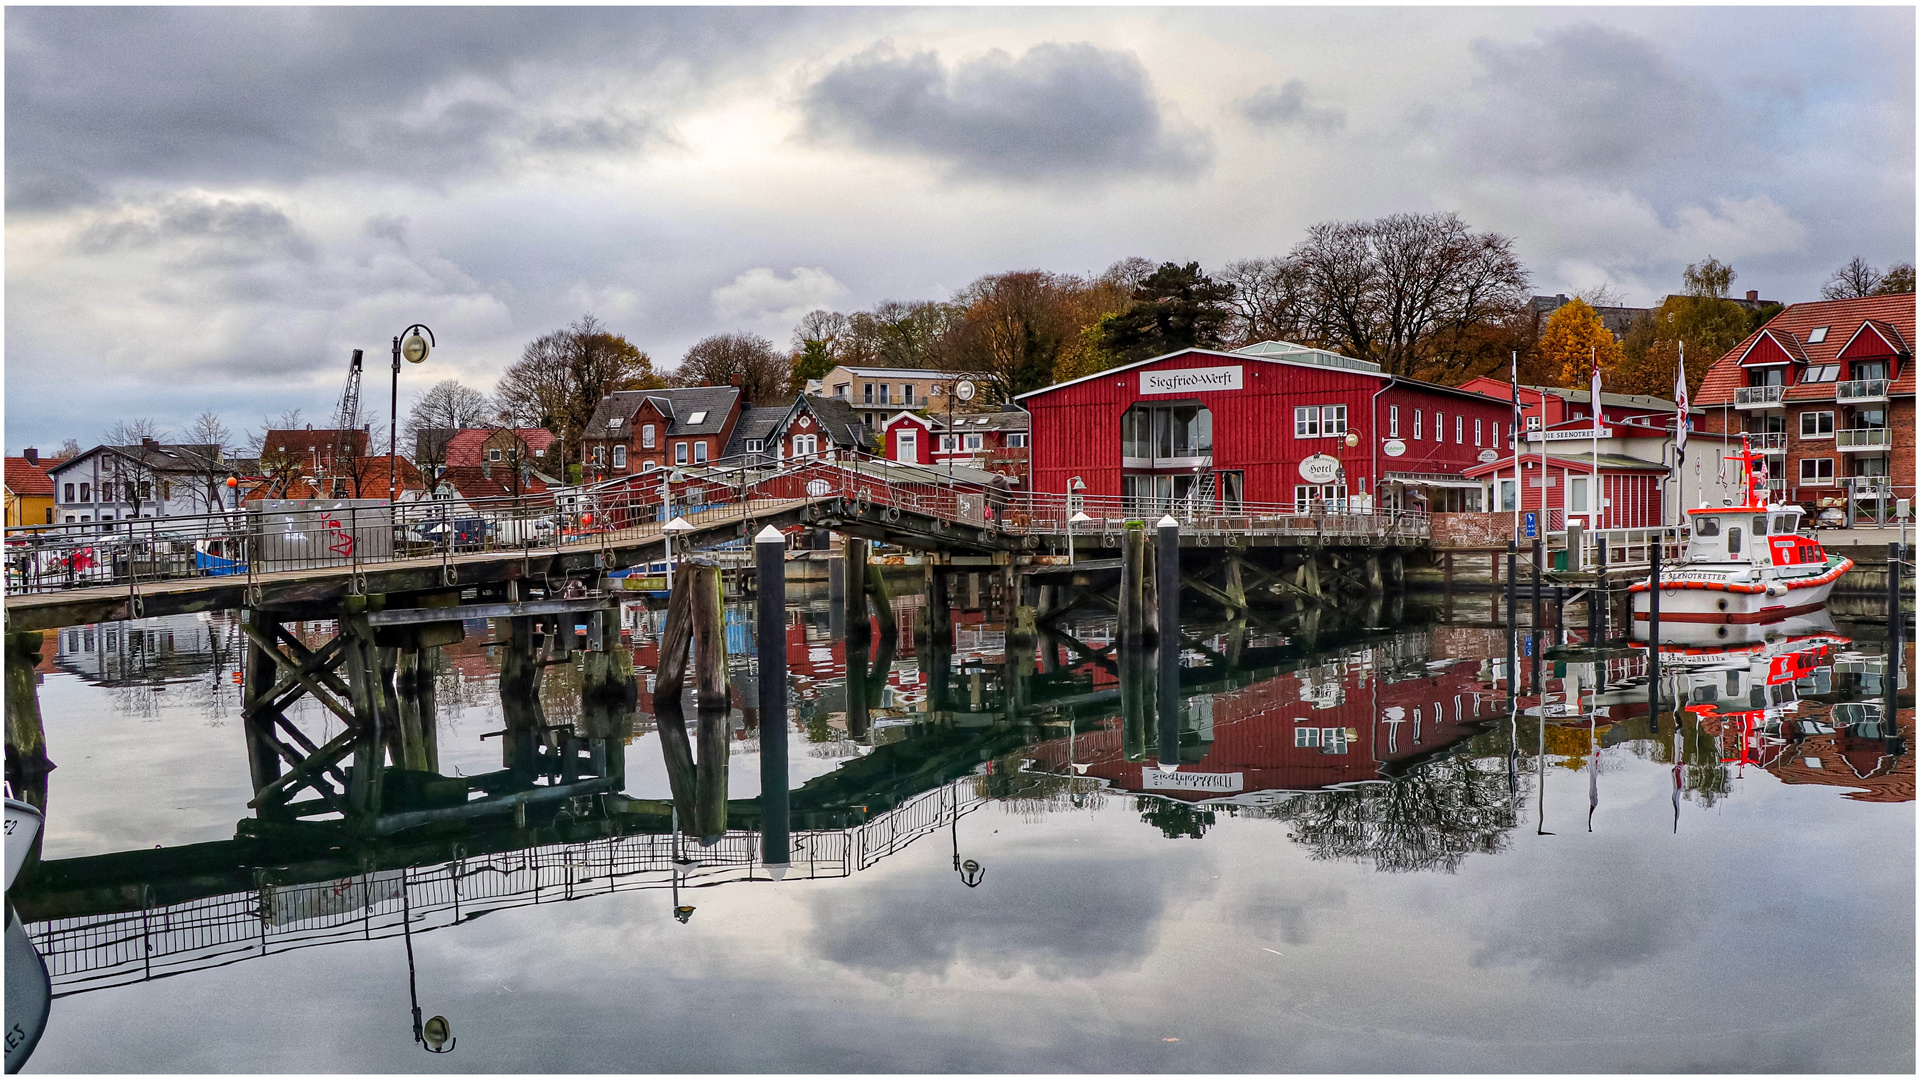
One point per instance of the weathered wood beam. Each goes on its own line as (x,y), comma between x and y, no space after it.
(312,686)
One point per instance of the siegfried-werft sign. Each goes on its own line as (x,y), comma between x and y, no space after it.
(1152,779)
(1190,380)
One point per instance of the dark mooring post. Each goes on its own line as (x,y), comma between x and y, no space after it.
(1597,622)
(854,600)
(1136,701)
(711,700)
(256,723)
(1653,638)
(670,717)
(1513,619)
(1167,639)
(26,737)
(770,565)
(936,660)
(520,674)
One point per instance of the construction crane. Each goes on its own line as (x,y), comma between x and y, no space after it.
(346,422)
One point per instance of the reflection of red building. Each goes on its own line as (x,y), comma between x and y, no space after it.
(1297,732)
(1840,758)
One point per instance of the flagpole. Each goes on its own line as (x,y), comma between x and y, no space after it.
(1599,498)
(1519,488)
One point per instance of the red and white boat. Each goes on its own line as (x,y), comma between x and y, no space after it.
(1747,570)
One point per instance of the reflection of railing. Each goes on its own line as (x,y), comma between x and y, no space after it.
(1855,390)
(1872,438)
(1757,396)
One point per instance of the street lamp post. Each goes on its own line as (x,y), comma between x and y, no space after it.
(415,350)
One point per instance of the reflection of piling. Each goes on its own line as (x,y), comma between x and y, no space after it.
(1513,619)
(853,600)
(1539,548)
(770,551)
(676,751)
(882,605)
(26,737)
(1653,636)
(1136,699)
(1167,637)
(710,687)
(520,696)
(1896,651)
(934,652)
(365,686)
(263,761)
(1599,597)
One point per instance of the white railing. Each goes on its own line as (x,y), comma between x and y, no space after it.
(1757,396)
(1863,439)
(1861,390)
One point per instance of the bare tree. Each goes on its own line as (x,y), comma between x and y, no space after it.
(448,406)
(1856,279)
(819,326)
(131,432)
(208,429)
(720,359)
(1129,272)
(1711,279)
(561,377)
(1269,301)
(1899,280)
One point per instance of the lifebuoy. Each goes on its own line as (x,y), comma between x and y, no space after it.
(892,514)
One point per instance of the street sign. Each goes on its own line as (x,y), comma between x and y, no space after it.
(1532,524)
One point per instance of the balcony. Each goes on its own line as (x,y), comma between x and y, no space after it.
(1758,397)
(1857,440)
(1861,391)
(1768,442)
(1868,487)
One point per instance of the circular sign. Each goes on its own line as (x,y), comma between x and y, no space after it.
(1393,448)
(1488,455)
(1320,469)
(963,390)
(817,488)
(414,349)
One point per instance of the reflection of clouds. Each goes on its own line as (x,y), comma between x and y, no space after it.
(1295,910)
(1072,918)
(1587,928)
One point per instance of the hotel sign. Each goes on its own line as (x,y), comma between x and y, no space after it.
(1580,434)
(1153,779)
(1190,380)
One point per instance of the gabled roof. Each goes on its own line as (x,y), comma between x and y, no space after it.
(308,440)
(679,405)
(159,457)
(1843,319)
(754,424)
(1369,371)
(1890,341)
(836,418)
(465,445)
(473,482)
(1626,401)
(1773,345)
(27,479)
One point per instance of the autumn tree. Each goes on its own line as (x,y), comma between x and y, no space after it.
(1701,318)
(1898,282)
(561,377)
(814,343)
(1175,307)
(1014,328)
(1092,305)
(720,359)
(1410,292)
(1575,339)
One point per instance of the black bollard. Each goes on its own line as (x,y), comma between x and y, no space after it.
(1653,639)
(1167,585)
(770,557)
(1513,620)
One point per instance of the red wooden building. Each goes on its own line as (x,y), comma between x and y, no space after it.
(1274,423)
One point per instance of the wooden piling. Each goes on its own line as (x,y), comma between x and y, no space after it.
(882,604)
(520,675)
(771,576)
(1133,585)
(26,737)
(363,684)
(256,725)
(670,718)
(854,602)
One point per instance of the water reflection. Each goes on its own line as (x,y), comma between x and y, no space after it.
(1405,751)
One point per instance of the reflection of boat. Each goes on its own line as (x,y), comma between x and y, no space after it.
(1746,569)
(29,990)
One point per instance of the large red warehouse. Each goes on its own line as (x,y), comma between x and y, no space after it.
(1273,423)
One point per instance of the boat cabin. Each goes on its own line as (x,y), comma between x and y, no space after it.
(1763,536)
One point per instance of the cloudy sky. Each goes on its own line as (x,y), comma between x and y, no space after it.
(207,208)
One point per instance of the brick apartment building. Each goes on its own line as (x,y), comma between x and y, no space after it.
(639,431)
(1826,390)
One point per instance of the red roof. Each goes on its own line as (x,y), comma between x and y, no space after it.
(24,478)
(472,483)
(373,483)
(1892,317)
(463,447)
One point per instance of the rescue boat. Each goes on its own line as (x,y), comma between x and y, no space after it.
(1746,571)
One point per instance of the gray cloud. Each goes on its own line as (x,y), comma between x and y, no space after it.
(1581,933)
(213,95)
(244,228)
(1057,110)
(1065,918)
(1286,106)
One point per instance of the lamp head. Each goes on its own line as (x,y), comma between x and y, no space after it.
(683,912)
(415,348)
(436,1033)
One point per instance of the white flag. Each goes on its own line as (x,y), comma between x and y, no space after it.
(1597,424)
(1680,399)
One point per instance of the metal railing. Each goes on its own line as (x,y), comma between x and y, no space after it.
(1861,390)
(1871,438)
(248,542)
(1758,396)
(1768,442)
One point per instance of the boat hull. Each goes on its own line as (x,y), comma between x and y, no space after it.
(1698,609)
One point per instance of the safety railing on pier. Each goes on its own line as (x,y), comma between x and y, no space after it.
(356,535)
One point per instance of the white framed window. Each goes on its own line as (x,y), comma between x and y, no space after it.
(1459,430)
(1816,471)
(619,457)
(1533,423)
(679,453)
(1304,495)
(494,454)
(906,394)
(948,442)
(1333,419)
(700,450)
(1393,421)
(1509,494)
(754,446)
(806,445)
(906,445)
(1017,438)
(599,455)
(649,466)
(975,441)
(1817,335)
(1816,425)
(1577,494)
(1439,426)
(69,497)
(1416,425)
(646,436)
(1476,431)
(1306,422)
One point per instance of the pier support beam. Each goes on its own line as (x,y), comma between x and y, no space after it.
(27,762)
(259,715)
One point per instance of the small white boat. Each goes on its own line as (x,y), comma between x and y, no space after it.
(1747,569)
(29,994)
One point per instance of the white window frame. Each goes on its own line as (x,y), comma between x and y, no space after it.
(1306,422)
(700,451)
(1393,421)
(493,453)
(619,456)
(646,437)
(1508,495)
(680,452)
(1332,417)
(1459,429)
(1814,415)
(1533,423)
(1476,431)
(1820,465)
(1439,426)
(1416,425)
(1577,494)
(975,441)
(1017,438)
(755,446)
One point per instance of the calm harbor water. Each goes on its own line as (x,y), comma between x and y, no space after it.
(1364,862)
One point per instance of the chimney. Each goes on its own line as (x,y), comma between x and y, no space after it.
(147,443)
(735,381)
(32,455)
(1753,296)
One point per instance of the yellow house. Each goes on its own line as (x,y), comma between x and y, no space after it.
(29,491)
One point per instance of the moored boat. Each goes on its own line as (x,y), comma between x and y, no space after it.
(1747,569)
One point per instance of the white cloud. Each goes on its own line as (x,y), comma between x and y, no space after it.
(761,296)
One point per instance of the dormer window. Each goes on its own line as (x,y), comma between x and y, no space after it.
(1817,335)
(698,418)
(1821,373)
(612,423)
